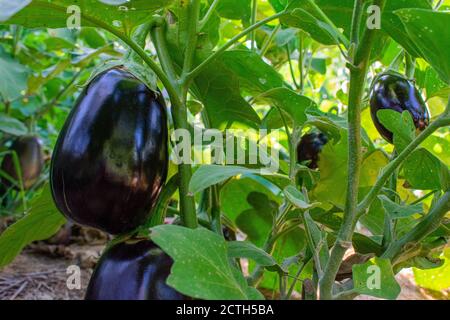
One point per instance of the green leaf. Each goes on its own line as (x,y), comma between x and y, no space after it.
(209,175)
(294,104)
(325,125)
(400,124)
(376,278)
(235,193)
(254,74)
(12,126)
(426,172)
(40,223)
(365,245)
(201,266)
(298,199)
(305,17)
(54,14)
(430,32)
(242,249)
(234,9)
(219,90)
(14,78)
(392,25)
(397,211)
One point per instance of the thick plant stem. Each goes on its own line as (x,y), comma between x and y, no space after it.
(358,74)
(429,224)
(232,41)
(192,36)
(356,21)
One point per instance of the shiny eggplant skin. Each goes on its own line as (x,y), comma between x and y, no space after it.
(111,159)
(132,271)
(309,148)
(393,92)
(31,159)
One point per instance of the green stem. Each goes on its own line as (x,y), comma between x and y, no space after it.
(410,66)
(358,74)
(291,68)
(297,277)
(47,107)
(208,14)
(356,21)
(192,35)
(216,222)
(253,20)
(230,43)
(301,62)
(179,114)
(159,40)
(429,224)
(269,40)
(163,202)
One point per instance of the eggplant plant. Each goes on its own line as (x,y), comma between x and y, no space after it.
(316,132)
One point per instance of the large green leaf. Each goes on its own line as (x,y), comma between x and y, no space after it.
(234,9)
(40,223)
(54,14)
(392,25)
(13,78)
(426,172)
(244,249)
(290,102)
(400,124)
(201,266)
(397,211)
(219,90)
(254,74)
(209,175)
(235,193)
(429,31)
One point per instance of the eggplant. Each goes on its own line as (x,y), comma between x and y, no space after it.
(31,160)
(133,270)
(394,92)
(111,158)
(309,148)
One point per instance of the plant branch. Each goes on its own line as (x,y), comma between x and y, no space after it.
(391,167)
(208,14)
(230,43)
(192,36)
(358,73)
(253,21)
(159,39)
(269,40)
(429,224)
(356,21)
(163,202)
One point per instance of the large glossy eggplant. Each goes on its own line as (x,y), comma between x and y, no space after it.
(133,270)
(31,159)
(309,148)
(110,161)
(394,92)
